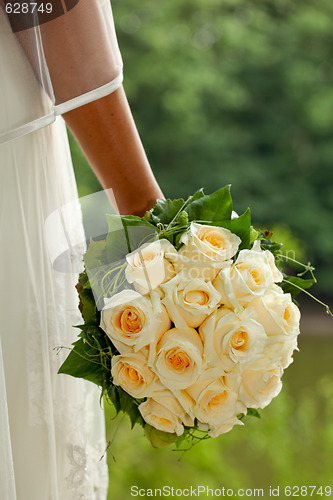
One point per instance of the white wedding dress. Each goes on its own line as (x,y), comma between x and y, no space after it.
(52,435)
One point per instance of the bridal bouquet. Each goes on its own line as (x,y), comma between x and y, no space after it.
(188,322)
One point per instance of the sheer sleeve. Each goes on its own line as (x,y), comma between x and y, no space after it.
(71,52)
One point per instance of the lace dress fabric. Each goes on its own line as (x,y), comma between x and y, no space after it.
(52,433)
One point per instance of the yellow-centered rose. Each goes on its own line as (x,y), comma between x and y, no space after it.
(189,302)
(249,277)
(229,339)
(205,250)
(216,399)
(132,373)
(209,243)
(178,361)
(130,319)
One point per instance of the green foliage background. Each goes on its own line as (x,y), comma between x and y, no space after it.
(237,92)
(240,92)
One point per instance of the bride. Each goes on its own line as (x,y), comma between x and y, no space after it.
(51,426)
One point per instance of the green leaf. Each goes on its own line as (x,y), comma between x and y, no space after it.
(182,219)
(166,210)
(125,403)
(87,303)
(95,255)
(82,362)
(241,226)
(253,412)
(112,392)
(128,405)
(105,261)
(159,439)
(126,234)
(253,235)
(84,281)
(214,207)
(95,260)
(182,438)
(294,285)
(196,196)
(272,246)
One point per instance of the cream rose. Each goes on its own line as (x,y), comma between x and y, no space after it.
(196,269)
(132,373)
(280,349)
(230,339)
(206,250)
(164,412)
(260,383)
(148,267)
(178,361)
(216,400)
(209,243)
(249,277)
(277,313)
(277,275)
(217,430)
(132,320)
(189,302)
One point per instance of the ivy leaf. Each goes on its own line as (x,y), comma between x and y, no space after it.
(95,255)
(87,303)
(166,210)
(159,439)
(214,207)
(197,195)
(241,226)
(84,282)
(252,412)
(253,235)
(272,246)
(126,234)
(81,362)
(112,392)
(181,439)
(129,406)
(294,285)
(105,261)
(125,403)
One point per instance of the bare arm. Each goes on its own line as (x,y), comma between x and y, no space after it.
(108,136)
